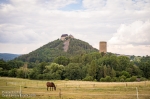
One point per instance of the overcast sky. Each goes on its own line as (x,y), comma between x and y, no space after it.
(26,25)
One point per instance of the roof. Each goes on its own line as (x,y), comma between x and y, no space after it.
(64,35)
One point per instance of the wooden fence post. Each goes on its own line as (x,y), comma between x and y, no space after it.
(20,90)
(59,93)
(137,93)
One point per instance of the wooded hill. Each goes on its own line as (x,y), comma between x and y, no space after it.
(8,56)
(76,60)
(50,51)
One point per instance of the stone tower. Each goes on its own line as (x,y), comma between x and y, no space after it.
(103,47)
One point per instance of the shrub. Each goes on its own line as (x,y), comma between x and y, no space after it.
(114,79)
(133,78)
(102,79)
(128,80)
(108,79)
(122,78)
(88,78)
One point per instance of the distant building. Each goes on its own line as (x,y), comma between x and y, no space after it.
(103,47)
(64,36)
(71,36)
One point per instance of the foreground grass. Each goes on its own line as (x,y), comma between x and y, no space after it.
(73,89)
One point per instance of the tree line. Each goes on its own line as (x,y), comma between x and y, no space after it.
(93,66)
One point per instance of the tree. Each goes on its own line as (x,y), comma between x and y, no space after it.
(20,73)
(123,62)
(93,69)
(62,60)
(4,65)
(105,71)
(41,67)
(73,71)
(12,72)
(126,74)
(33,73)
(54,71)
(145,67)
(113,73)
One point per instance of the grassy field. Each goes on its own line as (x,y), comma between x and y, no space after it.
(36,89)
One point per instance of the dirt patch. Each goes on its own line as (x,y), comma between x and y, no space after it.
(66,45)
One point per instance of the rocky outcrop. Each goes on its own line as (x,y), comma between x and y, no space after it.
(66,45)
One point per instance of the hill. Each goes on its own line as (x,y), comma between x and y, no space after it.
(8,56)
(68,47)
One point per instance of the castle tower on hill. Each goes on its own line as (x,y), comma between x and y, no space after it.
(103,47)
(64,36)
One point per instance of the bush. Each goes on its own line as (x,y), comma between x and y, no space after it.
(133,78)
(106,79)
(88,78)
(142,79)
(114,79)
(128,80)
(122,78)
(66,79)
(102,79)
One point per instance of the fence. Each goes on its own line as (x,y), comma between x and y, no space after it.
(95,90)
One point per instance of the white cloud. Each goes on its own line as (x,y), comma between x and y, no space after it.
(132,39)
(129,49)
(116,5)
(134,33)
(19,48)
(36,22)
(94,4)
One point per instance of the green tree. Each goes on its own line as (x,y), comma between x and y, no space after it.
(145,67)
(73,71)
(62,60)
(20,73)
(12,72)
(93,69)
(4,65)
(33,73)
(123,62)
(41,67)
(54,71)
(126,74)
(105,71)
(113,73)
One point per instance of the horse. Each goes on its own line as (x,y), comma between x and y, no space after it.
(51,85)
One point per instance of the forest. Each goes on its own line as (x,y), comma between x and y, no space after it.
(92,66)
(80,62)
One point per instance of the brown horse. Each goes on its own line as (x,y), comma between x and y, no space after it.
(51,85)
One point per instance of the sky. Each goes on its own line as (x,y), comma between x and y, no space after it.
(26,25)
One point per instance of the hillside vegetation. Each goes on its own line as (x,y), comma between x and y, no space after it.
(55,48)
(8,56)
(80,62)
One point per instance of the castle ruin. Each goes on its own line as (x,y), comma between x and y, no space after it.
(65,36)
(103,47)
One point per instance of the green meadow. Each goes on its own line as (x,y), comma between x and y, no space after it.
(16,88)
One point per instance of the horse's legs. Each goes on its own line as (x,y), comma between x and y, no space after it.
(51,88)
(47,88)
